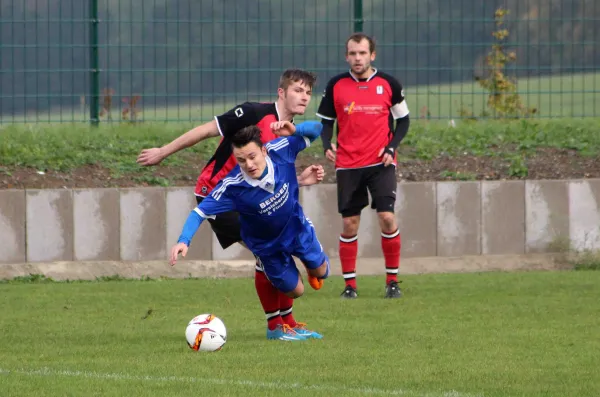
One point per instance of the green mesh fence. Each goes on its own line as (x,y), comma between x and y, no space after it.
(185,60)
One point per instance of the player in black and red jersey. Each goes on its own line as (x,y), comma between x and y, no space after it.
(365,102)
(294,94)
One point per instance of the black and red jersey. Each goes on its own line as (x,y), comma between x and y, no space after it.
(365,110)
(223,161)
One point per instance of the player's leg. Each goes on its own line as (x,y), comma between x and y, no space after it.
(352,198)
(310,251)
(281,270)
(286,305)
(283,274)
(382,185)
(226,227)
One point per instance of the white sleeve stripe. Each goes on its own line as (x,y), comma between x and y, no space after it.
(226,182)
(307,141)
(218,126)
(399,110)
(222,187)
(325,117)
(202,214)
(217,194)
(278,146)
(271,145)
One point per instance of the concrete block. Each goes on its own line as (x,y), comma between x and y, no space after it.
(96,224)
(12,226)
(546,216)
(320,206)
(49,225)
(503,217)
(459,218)
(584,214)
(143,224)
(232,253)
(416,214)
(180,202)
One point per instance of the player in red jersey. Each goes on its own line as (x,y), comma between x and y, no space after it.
(294,94)
(365,102)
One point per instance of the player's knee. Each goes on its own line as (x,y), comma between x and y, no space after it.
(296,292)
(387,221)
(351,224)
(321,271)
(324,269)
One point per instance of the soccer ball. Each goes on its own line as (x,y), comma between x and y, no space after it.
(206,332)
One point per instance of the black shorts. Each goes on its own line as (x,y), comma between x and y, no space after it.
(226,227)
(352,186)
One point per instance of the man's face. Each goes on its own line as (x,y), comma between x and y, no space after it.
(296,97)
(359,56)
(252,159)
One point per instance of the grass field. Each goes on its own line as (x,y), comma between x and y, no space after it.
(64,147)
(453,335)
(575,95)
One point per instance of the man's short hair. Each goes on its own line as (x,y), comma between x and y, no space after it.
(358,37)
(290,76)
(245,136)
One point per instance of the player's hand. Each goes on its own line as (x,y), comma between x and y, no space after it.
(176,250)
(312,175)
(330,153)
(151,156)
(283,128)
(388,156)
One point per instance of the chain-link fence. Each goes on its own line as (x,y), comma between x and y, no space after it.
(182,60)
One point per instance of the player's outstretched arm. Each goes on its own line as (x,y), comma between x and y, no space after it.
(216,203)
(308,129)
(154,156)
(190,228)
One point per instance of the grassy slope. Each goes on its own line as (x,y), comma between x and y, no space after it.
(64,147)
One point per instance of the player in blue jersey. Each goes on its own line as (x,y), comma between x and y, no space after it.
(263,189)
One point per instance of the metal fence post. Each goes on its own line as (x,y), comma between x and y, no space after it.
(94,66)
(358,15)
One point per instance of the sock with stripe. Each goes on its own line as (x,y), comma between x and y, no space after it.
(390,245)
(348,252)
(285,309)
(269,299)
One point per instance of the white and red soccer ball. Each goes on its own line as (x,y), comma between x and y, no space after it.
(206,332)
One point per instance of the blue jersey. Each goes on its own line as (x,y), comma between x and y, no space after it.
(270,213)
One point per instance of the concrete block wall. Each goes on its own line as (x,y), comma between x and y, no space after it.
(436,219)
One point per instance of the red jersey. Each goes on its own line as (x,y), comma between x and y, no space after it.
(365,110)
(223,160)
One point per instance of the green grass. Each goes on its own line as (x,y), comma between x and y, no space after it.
(490,334)
(554,96)
(63,147)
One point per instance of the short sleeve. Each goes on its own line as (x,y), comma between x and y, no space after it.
(235,119)
(326,107)
(399,108)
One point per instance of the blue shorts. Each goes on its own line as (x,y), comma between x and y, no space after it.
(280,268)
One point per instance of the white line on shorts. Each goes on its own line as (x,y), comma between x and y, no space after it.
(231,382)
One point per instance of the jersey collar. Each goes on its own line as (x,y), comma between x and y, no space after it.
(356,78)
(267,183)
